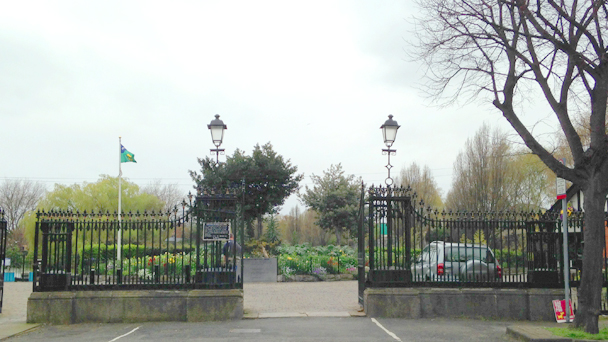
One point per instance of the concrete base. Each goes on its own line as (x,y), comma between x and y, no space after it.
(511,304)
(134,306)
(260,270)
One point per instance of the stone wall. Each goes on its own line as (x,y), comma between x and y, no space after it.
(511,304)
(134,306)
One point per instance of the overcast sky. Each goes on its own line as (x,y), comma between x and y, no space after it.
(315,78)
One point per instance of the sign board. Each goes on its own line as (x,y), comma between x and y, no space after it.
(560,185)
(559,307)
(7,262)
(216,231)
(383,229)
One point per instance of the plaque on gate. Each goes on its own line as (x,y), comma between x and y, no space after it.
(214,231)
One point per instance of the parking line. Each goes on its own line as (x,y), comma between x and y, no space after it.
(121,336)
(386,330)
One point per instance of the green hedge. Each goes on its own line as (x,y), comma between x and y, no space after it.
(109,252)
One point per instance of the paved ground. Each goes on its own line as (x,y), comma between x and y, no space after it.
(14,306)
(326,311)
(336,298)
(14,309)
(351,329)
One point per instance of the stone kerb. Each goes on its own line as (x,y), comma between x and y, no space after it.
(134,306)
(513,304)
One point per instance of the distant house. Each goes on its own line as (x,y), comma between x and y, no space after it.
(574,196)
(576,199)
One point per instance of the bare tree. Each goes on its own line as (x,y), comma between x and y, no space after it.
(170,194)
(17,197)
(422,183)
(481,173)
(501,50)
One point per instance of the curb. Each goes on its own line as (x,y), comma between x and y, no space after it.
(10,329)
(538,334)
(343,314)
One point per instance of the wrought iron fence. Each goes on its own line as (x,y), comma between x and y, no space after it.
(3,238)
(410,245)
(182,249)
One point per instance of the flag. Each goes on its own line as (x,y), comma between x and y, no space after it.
(126,156)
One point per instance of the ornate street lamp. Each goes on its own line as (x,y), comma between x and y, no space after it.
(389,132)
(217,128)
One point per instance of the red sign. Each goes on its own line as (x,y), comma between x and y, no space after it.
(559,307)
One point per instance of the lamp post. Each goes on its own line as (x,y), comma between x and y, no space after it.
(389,133)
(217,128)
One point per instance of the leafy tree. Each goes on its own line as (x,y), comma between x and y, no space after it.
(505,50)
(532,184)
(422,183)
(100,196)
(335,198)
(269,180)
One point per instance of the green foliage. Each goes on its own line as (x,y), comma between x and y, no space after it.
(511,258)
(272,228)
(269,178)
(318,260)
(104,252)
(16,255)
(579,334)
(479,238)
(335,197)
(439,234)
(255,248)
(101,196)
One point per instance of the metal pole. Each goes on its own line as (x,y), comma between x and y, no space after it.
(566,263)
(119,248)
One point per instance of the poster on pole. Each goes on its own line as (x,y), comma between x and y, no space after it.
(215,231)
(559,307)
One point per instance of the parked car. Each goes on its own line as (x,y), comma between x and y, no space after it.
(446,261)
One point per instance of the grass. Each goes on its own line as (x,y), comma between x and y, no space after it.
(579,334)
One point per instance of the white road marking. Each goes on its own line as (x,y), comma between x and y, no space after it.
(121,336)
(245,331)
(386,330)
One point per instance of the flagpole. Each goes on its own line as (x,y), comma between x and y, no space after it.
(119,249)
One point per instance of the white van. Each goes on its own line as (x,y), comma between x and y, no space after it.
(446,261)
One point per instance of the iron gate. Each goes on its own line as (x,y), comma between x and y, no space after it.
(3,233)
(387,227)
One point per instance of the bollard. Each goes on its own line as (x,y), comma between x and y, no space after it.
(92,277)
(119,276)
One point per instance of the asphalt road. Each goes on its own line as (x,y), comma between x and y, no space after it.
(352,329)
